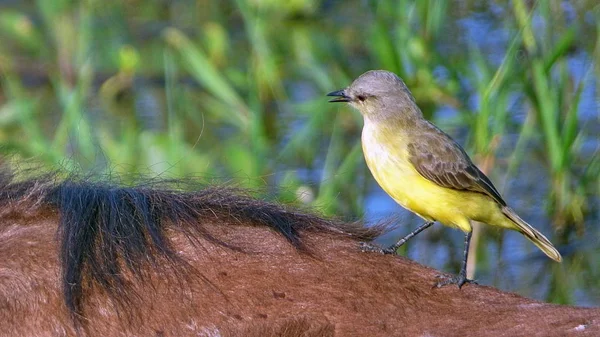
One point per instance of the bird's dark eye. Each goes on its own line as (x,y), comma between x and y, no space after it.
(361,98)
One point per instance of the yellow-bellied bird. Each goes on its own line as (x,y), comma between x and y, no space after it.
(425,170)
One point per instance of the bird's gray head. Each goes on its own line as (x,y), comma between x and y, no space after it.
(378,94)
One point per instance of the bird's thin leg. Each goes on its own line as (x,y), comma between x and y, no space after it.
(461,278)
(392,249)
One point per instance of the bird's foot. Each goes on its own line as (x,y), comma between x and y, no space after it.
(369,247)
(459,280)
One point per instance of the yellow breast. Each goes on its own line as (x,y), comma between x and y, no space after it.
(387,158)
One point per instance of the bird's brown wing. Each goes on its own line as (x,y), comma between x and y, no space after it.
(438,158)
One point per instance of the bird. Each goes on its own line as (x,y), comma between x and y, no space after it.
(424,170)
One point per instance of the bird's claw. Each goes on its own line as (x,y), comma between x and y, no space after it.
(369,247)
(459,280)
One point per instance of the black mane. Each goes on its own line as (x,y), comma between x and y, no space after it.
(106,228)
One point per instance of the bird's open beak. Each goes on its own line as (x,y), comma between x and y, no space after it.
(340,96)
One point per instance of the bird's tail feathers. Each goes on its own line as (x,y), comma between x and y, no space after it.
(533,235)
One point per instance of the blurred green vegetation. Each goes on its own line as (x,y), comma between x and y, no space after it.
(233,91)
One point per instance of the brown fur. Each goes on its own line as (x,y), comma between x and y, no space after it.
(264,287)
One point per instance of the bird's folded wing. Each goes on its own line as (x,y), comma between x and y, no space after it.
(441,160)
